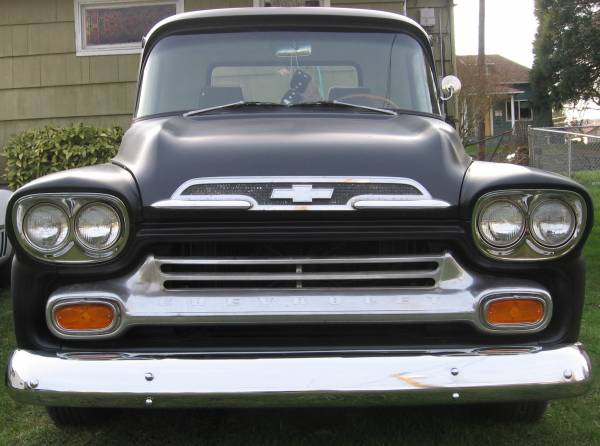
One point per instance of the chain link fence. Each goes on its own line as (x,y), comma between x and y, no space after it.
(593,130)
(563,151)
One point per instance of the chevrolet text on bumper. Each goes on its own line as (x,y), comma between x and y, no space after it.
(290,220)
(130,380)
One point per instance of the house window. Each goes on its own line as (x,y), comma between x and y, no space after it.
(523,111)
(268,3)
(117,26)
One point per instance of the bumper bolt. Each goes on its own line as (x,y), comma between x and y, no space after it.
(455,395)
(149,401)
(149,376)
(568,374)
(454,371)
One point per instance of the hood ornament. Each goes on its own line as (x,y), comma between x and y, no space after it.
(302,193)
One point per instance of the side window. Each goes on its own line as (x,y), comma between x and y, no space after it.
(412,88)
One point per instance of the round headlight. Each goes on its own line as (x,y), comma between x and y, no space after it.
(46,227)
(501,223)
(97,226)
(552,223)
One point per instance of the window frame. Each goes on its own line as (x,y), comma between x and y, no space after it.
(508,112)
(261,3)
(81,49)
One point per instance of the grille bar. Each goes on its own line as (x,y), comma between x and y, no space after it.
(293,260)
(371,272)
(300,276)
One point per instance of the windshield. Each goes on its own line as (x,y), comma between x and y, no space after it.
(197,71)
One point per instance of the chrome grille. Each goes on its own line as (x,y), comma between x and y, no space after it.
(342,192)
(300,272)
(292,193)
(284,290)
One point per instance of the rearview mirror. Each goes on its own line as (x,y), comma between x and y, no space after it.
(300,50)
(451,85)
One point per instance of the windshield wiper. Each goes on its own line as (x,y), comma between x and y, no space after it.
(386,111)
(301,104)
(232,105)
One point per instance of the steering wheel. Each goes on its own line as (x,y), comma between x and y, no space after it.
(371,97)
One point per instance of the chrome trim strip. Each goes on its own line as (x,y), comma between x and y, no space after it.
(411,377)
(302,179)
(180,201)
(384,203)
(206,204)
(456,296)
(299,352)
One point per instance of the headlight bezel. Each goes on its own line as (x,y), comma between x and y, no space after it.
(72,251)
(528,248)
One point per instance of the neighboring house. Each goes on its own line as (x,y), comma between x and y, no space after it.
(509,100)
(65,61)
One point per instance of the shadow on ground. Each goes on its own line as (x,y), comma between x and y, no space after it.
(407,426)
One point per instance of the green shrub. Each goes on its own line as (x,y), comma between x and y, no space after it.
(38,152)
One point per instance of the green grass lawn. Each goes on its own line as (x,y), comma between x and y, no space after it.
(568,422)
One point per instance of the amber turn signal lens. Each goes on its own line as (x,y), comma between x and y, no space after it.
(89,316)
(514,311)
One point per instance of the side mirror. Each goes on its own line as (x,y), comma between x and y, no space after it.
(451,85)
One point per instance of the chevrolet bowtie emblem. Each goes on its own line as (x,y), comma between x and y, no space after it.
(302,193)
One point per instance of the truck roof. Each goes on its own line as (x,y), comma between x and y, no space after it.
(343,15)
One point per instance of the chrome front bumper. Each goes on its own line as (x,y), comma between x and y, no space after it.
(342,378)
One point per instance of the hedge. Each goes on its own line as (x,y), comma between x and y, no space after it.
(38,152)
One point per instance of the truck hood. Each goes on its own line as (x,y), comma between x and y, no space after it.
(163,153)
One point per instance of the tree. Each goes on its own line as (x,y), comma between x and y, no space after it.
(478,94)
(566,68)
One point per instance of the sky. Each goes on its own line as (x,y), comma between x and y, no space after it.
(510,28)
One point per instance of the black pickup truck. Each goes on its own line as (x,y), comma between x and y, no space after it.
(291,221)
